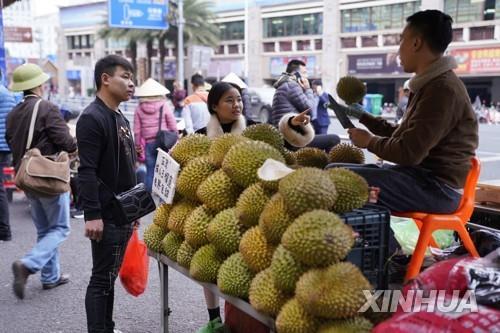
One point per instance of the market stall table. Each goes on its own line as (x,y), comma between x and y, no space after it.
(164,263)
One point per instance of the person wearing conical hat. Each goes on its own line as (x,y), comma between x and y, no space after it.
(147,122)
(50,214)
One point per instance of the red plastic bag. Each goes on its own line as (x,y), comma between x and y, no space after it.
(135,266)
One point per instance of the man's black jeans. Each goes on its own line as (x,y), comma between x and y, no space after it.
(107,257)
(407,189)
(5,233)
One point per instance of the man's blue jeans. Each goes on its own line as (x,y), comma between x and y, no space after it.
(51,218)
(151,155)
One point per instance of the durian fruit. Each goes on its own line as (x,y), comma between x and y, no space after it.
(286,270)
(235,276)
(346,153)
(318,238)
(195,227)
(289,157)
(153,235)
(311,157)
(171,244)
(266,133)
(294,319)
(251,203)
(161,216)
(352,189)
(351,89)
(224,232)
(335,292)
(307,189)
(221,145)
(255,250)
(244,159)
(205,264)
(189,147)
(184,254)
(264,296)
(350,325)
(192,175)
(178,216)
(274,219)
(218,192)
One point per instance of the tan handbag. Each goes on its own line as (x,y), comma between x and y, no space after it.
(42,175)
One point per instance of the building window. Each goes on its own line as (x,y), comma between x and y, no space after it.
(458,35)
(80,42)
(369,41)
(232,30)
(220,50)
(296,25)
(348,42)
(269,47)
(318,44)
(303,45)
(464,10)
(392,39)
(482,33)
(377,17)
(285,46)
(232,49)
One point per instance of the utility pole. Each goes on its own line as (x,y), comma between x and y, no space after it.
(180,42)
(247,51)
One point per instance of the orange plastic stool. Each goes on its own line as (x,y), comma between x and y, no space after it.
(428,223)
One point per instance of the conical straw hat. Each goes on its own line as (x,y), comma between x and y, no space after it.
(234,79)
(151,88)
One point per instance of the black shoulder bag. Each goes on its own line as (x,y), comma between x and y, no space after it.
(165,139)
(130,205)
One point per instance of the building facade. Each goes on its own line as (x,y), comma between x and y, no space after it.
(334,38)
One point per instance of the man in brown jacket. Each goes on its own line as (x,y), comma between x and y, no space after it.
(50,214)
(433,146)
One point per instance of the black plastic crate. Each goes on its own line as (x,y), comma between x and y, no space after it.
(371,250)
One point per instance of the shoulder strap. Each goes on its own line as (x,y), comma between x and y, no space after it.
(161,118)
(32,124)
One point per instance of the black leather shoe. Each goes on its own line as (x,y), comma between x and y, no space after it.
(62,280)
(5,238)
(21,274)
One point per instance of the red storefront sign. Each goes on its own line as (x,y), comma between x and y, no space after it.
(472,61)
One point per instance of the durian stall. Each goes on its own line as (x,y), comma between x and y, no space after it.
(276,248)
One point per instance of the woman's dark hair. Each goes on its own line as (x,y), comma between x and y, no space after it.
(108,65)
(216,92)
(434,27)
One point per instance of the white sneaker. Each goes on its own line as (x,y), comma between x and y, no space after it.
(117,331)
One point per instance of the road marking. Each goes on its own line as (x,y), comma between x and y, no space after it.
(490,159)
(487,153)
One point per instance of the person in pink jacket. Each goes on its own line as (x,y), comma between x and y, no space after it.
(152,100)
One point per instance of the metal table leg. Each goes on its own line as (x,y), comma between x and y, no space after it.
(165,311)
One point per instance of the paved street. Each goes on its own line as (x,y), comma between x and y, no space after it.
(62,310)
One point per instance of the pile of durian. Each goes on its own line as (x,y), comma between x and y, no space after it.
(278,244)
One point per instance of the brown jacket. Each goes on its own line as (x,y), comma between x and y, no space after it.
(51,134)
(439,131)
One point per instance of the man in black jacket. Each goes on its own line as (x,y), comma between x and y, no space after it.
(107,160)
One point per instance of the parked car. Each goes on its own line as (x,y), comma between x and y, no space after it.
(261,100)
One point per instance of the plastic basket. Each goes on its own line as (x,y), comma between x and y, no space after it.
(371,250)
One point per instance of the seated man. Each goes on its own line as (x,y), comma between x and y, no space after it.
(433,146)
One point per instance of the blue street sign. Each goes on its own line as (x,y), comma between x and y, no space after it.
(3,66)
(138,14)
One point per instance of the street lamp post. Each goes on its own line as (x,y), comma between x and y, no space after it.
(180,42)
